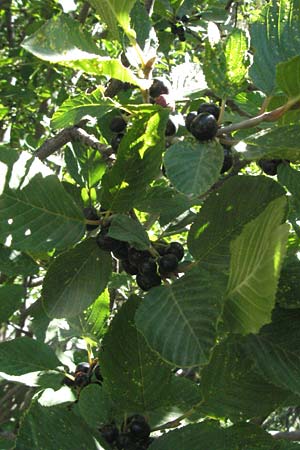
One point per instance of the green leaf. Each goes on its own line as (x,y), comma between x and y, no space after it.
(141,23)
(274,38)
(75,279)
(256,257)
(53,428)
(272,143)
(224,214)
(13,262)
(95,405)
(111,10)
(288,78)
(225,67)
(275,350)
(23,355)
(10,299)
(97,314)
(126,229)
(194,167)
(75,108)
(61,39)
(138,161)
(233,389)
(135,376)
(290,178)
(180,320)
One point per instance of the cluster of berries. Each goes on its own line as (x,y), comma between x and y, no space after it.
(269,166)
(118,126)
(159,93)
(148,269)
(134,434)
(83,375)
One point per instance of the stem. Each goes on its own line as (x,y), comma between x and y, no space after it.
(222,110)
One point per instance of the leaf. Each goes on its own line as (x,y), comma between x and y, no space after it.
(274,38)
(13,262)
(61,39)
(180,320)
(135,376)
(10,299)
(95,405)
(225,66)
(75,279)
(193,167)
(272,143)
(141,23)
(290,178)
(75,108)
(97,314)
(53,428)
(109,10)
(23,355)
(224,214)
(126,229)
(233,389)
(288,76)
(138,161)
(256,257)
(275,350)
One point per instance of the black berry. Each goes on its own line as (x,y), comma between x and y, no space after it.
(68,382)
(82,379)
(117,124)
(90,213)
(148,267)
(115,142)
(136,257)
(171,128)
(106,242)
(139,428)
(181,33)
(176,249)
(269,166)
(146,282)
(158,88)
(167,263)
(129,267)
(110,433)
(204,127)
(188,120)
(97,373)
(210,108)
(160,247)
(82,367)
(228,160)
(121,252)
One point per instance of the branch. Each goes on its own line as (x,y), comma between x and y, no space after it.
(84,12)
(288,435)
(149,6)
(8,20)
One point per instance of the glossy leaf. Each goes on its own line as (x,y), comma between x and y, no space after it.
(111,10)
(193,167)
(180,320)
(224,214)
(23,355)
(75,279)
(126,229)
(10,300)
(256,257)
(135,376)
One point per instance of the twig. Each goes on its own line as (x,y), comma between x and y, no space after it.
(8,20)
(84,12)
(288,435)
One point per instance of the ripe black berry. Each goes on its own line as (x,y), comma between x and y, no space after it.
(210,108)
(106,242)
(171,128)
(146,282)
(148,267)
(228,160)
(117,124)
(122,251)
(180,33)
(90,213)
(158,88)
(138,428)
(136,257)
(176,249)
(129,267)
(115,142)
(204,127)
(82,379)
(68,382)
(167,263)
(188,120)
(82,367)
(97,373)
(110,433)
(269,166)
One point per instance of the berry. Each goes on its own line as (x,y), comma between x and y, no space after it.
(185,18)
(90,213)
(82,367)
(97,373)
(269,166)
(167,263)
(204,127)
(110,433)
(148,267)
(228,160)
(68,382)
(171,128)
(180,33)
(176,249)
(136,257)
(139,430)
(117,124)
(188,120)
(122,251)
(82,379)
(129,267)
(160,247)
(115,142)
(165,101)
(210,108)
(158,87)
(146,282)
(106,242)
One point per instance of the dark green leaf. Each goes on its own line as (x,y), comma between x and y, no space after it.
(126,229)
(95,405)
(13,262)
(75,279)
(10,299)
(288,78)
